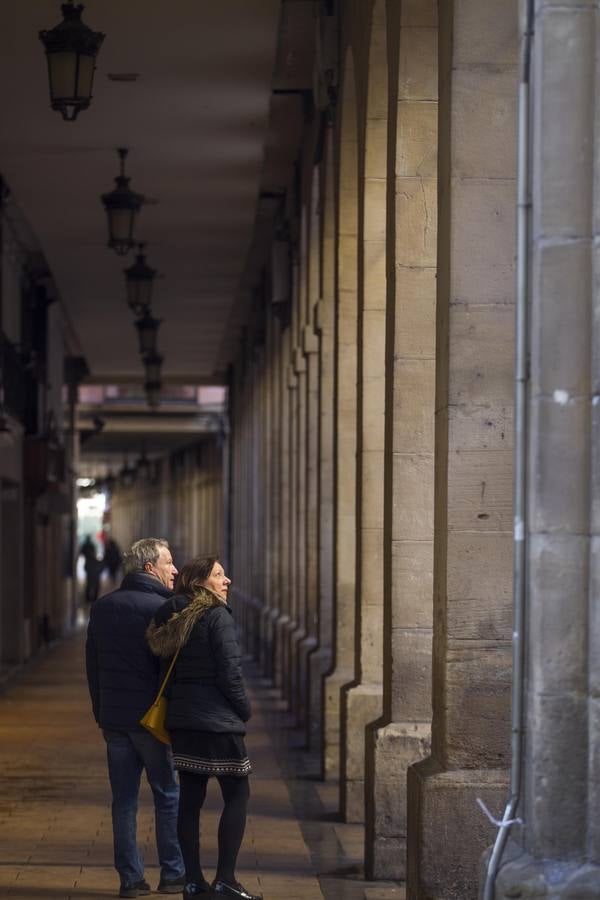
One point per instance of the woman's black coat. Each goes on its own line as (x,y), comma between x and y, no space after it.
(206,689)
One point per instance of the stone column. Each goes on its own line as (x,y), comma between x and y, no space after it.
(363,700)
(273,444)
(346,321)
(405,736)
(282,622)
(268,444)
(310,349)
(560,841)
(472,585)
(321,660)
(300,371)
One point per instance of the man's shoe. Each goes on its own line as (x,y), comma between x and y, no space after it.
(195,889)
(171,885)
(237,890)
(139,888)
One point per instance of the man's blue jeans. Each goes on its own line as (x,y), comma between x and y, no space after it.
(129,752)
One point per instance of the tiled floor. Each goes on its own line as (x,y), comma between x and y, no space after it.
(55,828)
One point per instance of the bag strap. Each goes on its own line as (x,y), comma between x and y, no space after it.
(166,678)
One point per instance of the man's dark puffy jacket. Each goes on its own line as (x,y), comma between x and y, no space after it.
(206,689)
(123,674)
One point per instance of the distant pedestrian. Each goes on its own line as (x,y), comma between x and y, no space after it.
(92,567)
(206,714)
(123,679)
(112,558)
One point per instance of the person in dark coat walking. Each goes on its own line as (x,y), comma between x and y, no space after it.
(93,567)
(123,679)
(206,714)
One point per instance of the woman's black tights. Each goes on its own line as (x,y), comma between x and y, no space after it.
(192,792)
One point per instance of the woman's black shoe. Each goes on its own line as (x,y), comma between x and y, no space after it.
(236,890)
(196,889)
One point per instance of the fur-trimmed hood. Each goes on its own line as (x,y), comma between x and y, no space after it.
(166,639)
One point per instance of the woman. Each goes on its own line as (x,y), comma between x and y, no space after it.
(207,710)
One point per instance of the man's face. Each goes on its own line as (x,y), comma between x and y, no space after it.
(163,568)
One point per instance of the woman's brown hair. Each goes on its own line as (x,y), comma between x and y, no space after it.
(193,575)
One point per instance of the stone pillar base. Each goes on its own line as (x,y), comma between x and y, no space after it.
(288,627)
(362,705)
(391,751)
(306,646)
(274,616)
(447,832)
(523,876)
(319,663)
(296,639)
(266,643)
(332,711)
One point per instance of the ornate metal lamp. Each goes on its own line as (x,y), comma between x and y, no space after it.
(147,328)
(71,50)
(152,385)
(122,206)
(153,363)
(139,279)
(153,393)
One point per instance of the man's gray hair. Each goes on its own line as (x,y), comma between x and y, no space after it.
(145,551)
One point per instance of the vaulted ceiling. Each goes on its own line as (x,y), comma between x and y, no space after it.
(206,136)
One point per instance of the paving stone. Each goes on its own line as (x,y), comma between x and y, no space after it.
(55,824)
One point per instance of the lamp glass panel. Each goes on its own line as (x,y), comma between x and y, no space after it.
(153,370)
(86,76)
(147,340)
(139,293)
(120,224)
(62,68)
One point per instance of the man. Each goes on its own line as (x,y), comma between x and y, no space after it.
(123,678)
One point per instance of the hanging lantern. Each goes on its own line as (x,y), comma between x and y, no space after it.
(71,50)
(139,279)
(153,363)
(153,393)
(143,466)
(127,475)
(147,328)
(122,205)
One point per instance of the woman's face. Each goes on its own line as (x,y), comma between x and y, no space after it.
(218,581)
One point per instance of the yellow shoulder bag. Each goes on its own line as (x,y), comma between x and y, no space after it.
(154,719)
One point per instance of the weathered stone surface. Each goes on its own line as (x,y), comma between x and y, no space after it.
(560,318)
(480,492)
(563,202)
(485,33)
(559,445)
(362,705)
(416,142)
(418,65)
(413,496)
(411,674)
(416,217)
(412,576)
(482,337)
(485,110)
(414,390)
(443,817)
(526,877)
(415,312)
(483,242)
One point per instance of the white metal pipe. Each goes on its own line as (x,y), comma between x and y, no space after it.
(520,452)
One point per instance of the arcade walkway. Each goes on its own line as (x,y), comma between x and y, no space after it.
(55,827)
